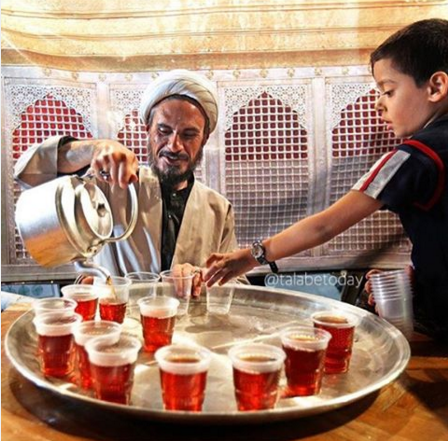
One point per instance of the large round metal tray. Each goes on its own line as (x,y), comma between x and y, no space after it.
(380,354)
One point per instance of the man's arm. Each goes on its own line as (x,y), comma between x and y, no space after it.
(64,155)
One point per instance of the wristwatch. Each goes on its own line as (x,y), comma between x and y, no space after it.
(258,252)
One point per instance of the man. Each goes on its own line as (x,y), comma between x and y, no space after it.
(180,221)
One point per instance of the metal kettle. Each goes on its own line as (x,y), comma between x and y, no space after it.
(67,220)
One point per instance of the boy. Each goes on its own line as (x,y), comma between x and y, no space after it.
(411,71)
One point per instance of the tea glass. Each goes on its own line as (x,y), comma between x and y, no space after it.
(256,374)
(55,342)
(112,367)
(341,326)
(183,376)
(158,316)
(305,349)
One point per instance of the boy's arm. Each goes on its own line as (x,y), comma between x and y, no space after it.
(306,233)
(321,227)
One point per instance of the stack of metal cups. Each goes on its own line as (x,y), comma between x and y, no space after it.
(392,292)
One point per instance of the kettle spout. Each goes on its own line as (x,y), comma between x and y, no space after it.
(91,269)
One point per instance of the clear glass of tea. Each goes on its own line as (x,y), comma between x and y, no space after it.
(112,367)
(341,326)
(158,316)
(55,342)
(86,298)
(113,298)
(305,349)
(256,374)
(183,376)
(178,286)
(84,332)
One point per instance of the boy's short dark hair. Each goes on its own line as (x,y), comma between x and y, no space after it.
(418,50)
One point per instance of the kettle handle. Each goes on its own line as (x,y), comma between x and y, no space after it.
(134,214)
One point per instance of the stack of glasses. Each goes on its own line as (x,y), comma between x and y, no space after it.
(392,292)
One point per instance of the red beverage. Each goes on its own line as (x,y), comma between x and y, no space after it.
(112,365)
(305,349)
(113,383)
(86,331)
(183,376)
(303,369)
(86,298)
(339,352)
(113,312)
(183,391)
(256,391)
(87,308)
(83,367)
(55,342)
(157,331)
(56,352)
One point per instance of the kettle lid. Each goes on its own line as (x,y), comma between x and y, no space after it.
(92,210)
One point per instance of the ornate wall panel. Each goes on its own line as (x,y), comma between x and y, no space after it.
(289,142)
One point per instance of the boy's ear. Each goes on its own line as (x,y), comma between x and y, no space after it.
(438,86)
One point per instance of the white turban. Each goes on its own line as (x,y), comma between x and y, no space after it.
(181,82)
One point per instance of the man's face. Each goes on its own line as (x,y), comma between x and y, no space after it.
(176,139)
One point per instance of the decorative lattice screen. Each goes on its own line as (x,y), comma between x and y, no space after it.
(289,142)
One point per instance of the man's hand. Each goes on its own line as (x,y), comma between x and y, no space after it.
(113,163)
(225,267)
(186,269)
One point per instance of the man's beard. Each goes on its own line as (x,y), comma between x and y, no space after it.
(172,176)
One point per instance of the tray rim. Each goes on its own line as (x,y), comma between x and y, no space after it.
(236,417)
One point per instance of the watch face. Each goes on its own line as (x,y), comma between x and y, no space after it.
(257,250)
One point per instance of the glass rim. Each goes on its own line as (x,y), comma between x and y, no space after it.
(123,281)
(352,320)
(55,329)
(189,368)
(70,291)
(38,304)
(320,341)
(81,337)
(161,306)
(126,355)
(167,275)
(257,349)
(133,276)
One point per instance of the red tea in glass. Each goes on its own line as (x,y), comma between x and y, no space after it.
(55,342)
(114,312)
(342,329)
(256,374)
(305,349)
(158,316)
(83,333)
(183,376)
(86,298)
(87,307)
(113,298)
(112,367)
(113,383)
